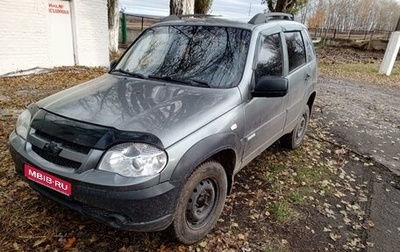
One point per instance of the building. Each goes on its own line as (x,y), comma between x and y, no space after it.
(50,33)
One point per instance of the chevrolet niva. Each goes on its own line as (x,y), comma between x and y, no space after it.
(156,141)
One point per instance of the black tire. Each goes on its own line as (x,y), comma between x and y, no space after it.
(295,138)
(200,203)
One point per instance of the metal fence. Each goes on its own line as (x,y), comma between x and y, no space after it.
(135,24)
(323,33)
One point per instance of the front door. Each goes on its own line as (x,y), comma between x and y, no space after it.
(265,116)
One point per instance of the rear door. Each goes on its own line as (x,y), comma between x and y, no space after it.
(299,73)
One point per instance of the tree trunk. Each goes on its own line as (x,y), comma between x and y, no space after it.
(113,24)
(202,6)
(181,7)
(290,6)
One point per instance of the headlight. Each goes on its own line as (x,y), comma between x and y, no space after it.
(23,122)
(134,160)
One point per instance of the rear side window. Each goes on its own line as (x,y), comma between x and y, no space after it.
(296,49)
(309,46)
(269,61)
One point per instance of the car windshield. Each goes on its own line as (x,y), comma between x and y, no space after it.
(197,55)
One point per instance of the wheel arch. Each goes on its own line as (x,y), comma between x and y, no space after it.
(311,100)
(222,148)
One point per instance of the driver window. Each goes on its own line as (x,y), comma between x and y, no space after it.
(269,60)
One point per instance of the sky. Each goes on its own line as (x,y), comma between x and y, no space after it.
(227,8)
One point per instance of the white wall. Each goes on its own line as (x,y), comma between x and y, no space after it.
(24,34)
(90,23)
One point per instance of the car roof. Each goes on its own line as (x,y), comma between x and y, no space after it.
(261,19)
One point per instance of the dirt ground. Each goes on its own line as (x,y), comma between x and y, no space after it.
(365,120)
(338,192)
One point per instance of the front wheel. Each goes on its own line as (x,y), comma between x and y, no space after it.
(200,202)
(294,139)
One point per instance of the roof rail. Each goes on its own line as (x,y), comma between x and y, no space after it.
(170,18)
(261,18)
(177,17)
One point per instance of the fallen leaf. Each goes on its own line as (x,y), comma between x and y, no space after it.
(40,241)
(370,244)
(70,242)
(203,244)
(334,236)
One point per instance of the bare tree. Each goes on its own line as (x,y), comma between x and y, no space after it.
(289,6)
(181,7)
(202,6)
(113,24)
(352,14)
(318,18)
(185,7)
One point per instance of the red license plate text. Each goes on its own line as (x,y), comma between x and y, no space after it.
(47,180)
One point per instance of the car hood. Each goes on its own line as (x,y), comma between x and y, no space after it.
(166,110)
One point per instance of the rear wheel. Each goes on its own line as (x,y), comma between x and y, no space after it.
(294,139)
(200,202)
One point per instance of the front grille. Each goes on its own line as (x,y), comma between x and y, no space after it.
(68,145)
(56,159)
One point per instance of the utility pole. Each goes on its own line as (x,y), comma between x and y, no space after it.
(250,9)
(391,51)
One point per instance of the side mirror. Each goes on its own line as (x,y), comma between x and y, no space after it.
(271,86)
(112,64)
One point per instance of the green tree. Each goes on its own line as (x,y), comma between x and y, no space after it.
(288,6)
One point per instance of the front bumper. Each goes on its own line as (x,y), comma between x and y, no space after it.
(145,206)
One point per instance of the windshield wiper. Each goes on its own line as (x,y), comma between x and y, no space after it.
(200,83)
(183,81)
(132,74)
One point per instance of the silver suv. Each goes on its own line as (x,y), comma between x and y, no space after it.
(156,141)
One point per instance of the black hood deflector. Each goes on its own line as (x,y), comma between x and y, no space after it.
(88,135)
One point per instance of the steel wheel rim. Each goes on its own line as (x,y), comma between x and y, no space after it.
(301,128)
(201,203)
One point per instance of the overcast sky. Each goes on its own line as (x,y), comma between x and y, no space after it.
(228,8)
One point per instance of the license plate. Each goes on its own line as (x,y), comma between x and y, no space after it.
(47,180)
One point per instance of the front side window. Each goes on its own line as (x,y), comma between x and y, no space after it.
(202,54)
(296,49)
(269,59)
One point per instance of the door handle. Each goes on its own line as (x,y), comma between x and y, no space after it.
(307,76)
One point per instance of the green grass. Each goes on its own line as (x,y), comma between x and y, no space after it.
(283,212)
(276,246)
(292,178)
(278,168)
(297,197)
(367,72)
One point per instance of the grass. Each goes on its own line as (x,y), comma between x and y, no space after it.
(297,197)
(278,168)
(347,65)
(284,212)
(292,177)
(276,246)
